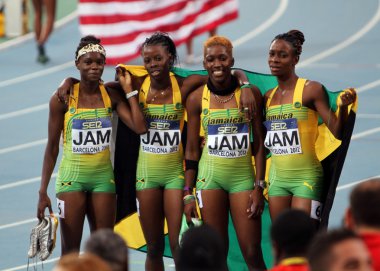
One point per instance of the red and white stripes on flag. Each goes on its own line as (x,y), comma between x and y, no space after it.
(124,25)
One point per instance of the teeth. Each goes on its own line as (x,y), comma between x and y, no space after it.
(218,72)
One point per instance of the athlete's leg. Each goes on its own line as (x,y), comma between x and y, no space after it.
(152,223)
(215,212)
(73,211)
(173,208)
(50,6)
(278,204)
(305,205)
(101,210)
(248,231)
(37,6)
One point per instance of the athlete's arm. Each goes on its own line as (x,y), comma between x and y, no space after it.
(247,99)
(256,203)
(192,154)
(57,111)
(316,98)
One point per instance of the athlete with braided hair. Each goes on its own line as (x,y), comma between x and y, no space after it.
(292,110)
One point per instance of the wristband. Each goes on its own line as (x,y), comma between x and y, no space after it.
(191,164)
(188,199)
(246,85)
(131,94)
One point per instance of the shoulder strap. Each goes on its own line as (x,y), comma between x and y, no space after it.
(271,96)
(298,91)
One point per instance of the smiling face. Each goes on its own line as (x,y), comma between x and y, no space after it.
(157,60)
(91,66)
(282,59)
(218,63)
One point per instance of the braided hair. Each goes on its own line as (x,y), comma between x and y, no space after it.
(295,38)
(163,39)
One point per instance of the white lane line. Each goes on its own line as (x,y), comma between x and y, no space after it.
(23,146)
(19,223)
(24,111)
(33,75)
(264,26)
(261,28)
(22,182)
(342,187)
(372,23)
(369,86)
(365,133)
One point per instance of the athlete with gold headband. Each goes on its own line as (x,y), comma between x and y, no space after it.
(226,181)
(85,184)
(292,110)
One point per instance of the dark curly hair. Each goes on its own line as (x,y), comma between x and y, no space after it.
(295,38)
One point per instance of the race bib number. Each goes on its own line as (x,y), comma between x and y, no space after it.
(228,140)
(163,137)
(91,136)
(282,137)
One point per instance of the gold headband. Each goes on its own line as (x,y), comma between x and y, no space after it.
(91,48)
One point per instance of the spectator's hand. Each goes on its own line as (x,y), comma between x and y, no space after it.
(255,206)
(43,203)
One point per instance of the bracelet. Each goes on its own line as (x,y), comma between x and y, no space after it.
(188,199)
(261,183)
(188,188)
(246,85)
(131,94)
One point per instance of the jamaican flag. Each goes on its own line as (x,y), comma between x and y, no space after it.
(330,151)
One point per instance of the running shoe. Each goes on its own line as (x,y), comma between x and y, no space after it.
(34,236)
(47,237)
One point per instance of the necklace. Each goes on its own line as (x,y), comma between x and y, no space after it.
(283,92)
(161,92)
(221,101)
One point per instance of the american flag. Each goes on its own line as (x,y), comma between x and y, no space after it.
(124,25)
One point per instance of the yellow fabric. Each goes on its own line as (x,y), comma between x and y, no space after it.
(326,142)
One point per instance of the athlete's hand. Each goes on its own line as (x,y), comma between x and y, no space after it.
(190,210)
(255,206)
(348,97)
(43,203)
(247,102)
(124,78)
(63,91)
